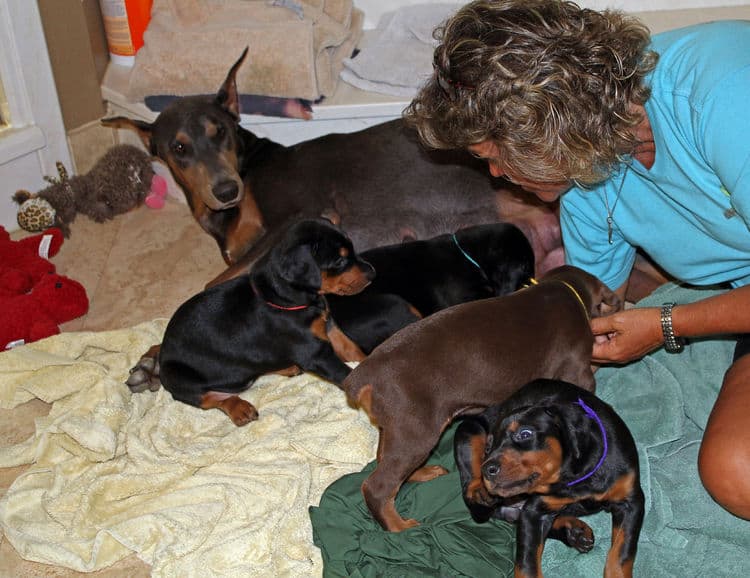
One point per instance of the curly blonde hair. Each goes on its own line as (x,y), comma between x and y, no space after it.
(555,86)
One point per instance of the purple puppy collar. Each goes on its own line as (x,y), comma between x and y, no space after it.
(592,414)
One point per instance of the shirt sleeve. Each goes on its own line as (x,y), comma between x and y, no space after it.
(586,240)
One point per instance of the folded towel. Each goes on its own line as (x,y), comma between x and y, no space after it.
(397,58)
(193,495)
(296,47)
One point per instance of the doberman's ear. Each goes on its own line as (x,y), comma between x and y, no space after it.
(227,96)
(470,444)
(142,128)
(606,302)
(565,419)
(298,267)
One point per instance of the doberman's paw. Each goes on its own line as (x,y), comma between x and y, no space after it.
(241,412)
(404,524)
(144,375)
(427,473)
(477,493)
(579,535)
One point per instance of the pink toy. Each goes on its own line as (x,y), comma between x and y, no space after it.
(155,198)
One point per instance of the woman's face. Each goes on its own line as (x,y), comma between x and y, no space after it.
(489,151)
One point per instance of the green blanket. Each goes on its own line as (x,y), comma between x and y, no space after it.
(665,400)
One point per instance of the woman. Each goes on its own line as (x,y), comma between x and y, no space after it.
(646,142)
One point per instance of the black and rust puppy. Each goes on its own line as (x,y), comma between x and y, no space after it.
(270,320)
(417,278)
(548,454)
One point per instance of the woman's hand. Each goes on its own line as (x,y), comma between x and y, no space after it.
(626,335)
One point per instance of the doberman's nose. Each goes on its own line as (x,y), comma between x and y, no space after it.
(226,191)
(490,471)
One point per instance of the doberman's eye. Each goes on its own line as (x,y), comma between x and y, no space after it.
(221,132)
(523,435)
(179,149)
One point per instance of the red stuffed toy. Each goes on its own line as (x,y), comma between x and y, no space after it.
(34,299)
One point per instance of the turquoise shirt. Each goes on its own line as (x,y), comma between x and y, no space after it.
(691,211)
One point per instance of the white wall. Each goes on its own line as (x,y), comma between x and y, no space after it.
(373,9)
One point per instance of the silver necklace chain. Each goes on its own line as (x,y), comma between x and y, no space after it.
(610,220)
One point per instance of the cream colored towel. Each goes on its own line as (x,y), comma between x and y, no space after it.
(296,47)
(114,472)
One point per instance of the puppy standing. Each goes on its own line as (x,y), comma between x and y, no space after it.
(462,360)
(270,320)
(550,453)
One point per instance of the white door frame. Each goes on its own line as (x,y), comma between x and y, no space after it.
(36,139)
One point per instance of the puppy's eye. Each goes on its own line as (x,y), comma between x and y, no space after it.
(340,263)
(221,132)
(523,435)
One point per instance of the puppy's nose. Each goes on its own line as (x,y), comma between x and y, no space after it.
(225,191)
(490,471)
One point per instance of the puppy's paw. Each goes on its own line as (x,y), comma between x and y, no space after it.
(427,473)
(144,375)
(575,533)
(241,412)
(477,493)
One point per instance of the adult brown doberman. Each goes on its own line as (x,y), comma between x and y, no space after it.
(380,181)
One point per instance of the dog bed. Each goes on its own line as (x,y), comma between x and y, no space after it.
(665,399)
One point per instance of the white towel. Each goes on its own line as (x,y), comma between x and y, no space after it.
(397,58)
(192,494)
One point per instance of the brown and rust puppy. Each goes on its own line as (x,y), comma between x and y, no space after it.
(550,453)
(462,360)
(270,320)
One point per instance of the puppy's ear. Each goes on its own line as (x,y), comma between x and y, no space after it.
(298,267)
(470,445)
(565,420)
(604,301)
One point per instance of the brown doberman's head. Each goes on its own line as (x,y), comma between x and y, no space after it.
(596,296)
(196,136)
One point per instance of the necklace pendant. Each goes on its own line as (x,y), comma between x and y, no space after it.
(609,230)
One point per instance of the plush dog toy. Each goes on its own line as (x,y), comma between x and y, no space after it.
(121,180)
(34,299)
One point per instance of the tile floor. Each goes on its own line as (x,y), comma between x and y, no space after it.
(135,268)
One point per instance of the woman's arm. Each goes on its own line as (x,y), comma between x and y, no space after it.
(630,334)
